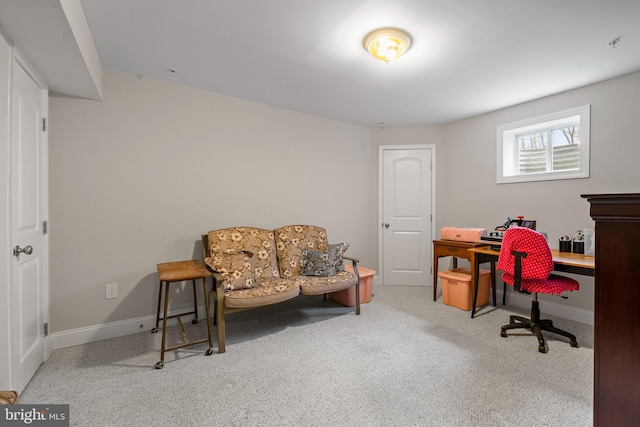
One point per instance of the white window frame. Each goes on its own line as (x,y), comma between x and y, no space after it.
(507,165)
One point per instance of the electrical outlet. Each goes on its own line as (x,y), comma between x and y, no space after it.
(111,290)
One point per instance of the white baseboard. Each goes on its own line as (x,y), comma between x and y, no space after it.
(548,307)
(109,330)
(524,301)
(120,328)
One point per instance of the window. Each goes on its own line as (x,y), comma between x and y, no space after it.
(553,146)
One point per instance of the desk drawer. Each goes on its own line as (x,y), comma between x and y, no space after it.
(450,250)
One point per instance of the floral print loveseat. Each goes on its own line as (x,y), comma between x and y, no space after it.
(254,267)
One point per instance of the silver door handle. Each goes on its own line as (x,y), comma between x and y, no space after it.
(18,250)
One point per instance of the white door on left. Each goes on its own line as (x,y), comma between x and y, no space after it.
(29,199)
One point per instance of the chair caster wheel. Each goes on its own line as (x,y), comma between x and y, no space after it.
(154,330)
(503,334)
(159,365)
(574,343)
(209,352)
(542,349)
(194,321)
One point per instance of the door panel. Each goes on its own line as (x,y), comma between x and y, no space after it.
(406,216)
(407,251)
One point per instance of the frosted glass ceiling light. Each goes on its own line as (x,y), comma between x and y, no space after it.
(387,44)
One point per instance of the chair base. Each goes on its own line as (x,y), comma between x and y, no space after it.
(537,325)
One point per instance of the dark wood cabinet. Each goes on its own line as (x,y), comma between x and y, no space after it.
(617,309)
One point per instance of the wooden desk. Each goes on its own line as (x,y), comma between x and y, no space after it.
(566,262)
(455,249)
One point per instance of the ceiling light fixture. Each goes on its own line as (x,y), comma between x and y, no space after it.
(387,44)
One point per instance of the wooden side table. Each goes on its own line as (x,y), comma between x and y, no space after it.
(180,271)
(445,248)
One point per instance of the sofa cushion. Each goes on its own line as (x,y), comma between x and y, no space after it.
(290,239)
(255,240)
(235,268)
(323,285)
(264,293)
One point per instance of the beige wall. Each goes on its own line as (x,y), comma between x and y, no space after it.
(137,178)
(416,135)
(467,193)
(471,147)
(472,197)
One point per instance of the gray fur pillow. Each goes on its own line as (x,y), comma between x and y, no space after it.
(323,263)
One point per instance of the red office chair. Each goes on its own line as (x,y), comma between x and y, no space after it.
(526,264)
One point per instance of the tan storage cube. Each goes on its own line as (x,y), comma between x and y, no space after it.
(458,291)
(347,297)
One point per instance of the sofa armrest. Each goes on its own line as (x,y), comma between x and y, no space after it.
(354,262)
(218,280)
(217,291)
(205,245)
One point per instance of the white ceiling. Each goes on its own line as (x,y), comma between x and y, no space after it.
(54,38)
(469,57)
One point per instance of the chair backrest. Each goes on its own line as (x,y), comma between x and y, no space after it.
(538,263)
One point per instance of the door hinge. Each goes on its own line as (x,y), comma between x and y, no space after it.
(46,329)
(44,227)
(44,124)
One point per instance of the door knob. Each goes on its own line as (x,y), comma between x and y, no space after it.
(386,225)
(18,250)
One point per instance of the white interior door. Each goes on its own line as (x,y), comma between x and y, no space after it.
(407,183)
(29,240)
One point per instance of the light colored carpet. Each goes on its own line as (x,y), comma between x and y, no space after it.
(405,361)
